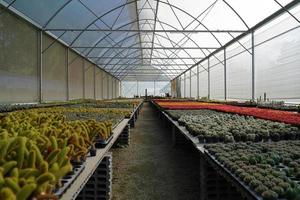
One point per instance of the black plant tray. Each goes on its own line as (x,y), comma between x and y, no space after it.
(99,143)
(69,179)
(228,175)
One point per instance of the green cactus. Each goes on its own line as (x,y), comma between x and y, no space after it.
(45,177)
(28,172)
(39,157)
(32,159)
(21,151)
(62,171)
(4,147)
(9,166)
(61,156)
(14,173)
(26,191)
(44,167)
(53,142)
(52,157)
(11,183)
(7,194)
(1,180)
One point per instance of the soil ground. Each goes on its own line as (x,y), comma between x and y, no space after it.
(150,168)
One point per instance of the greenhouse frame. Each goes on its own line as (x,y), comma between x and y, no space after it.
(133,41)
(150,99)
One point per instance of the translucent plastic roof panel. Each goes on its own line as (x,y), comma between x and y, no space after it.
(126,37)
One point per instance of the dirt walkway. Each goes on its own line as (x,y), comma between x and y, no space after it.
(150,168)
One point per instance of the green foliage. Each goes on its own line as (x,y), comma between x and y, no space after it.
(270,169)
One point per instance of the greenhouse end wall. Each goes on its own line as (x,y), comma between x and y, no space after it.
(34,67)
(154,88)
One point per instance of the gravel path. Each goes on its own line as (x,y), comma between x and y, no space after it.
(150,168)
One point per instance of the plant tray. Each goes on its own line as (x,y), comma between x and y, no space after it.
(69,179)
(227,174)
(99,143)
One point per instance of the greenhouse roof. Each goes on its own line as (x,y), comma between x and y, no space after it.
(146,39)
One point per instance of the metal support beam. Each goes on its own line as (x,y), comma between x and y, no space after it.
(40,65)
(147,68)
(94,67)
(253,65)
(144,74)
(191,83)
(225,75)
(147,31)
(184,84)
(154,29)
(154,88)
(121,92)
(102,85)
(67,75)
(138,27)
(137,88)
(257,26)
(286,10)
(198,81)
(142,48)
(142,65)
(208,79)
(148,58)
(178,88)
(83,81)
(107,87)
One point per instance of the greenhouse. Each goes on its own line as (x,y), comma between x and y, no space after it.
(150,99)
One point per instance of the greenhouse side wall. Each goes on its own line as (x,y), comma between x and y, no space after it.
(76,78)
(89,75)
(264,62)
(54,70)
(35,67)
(98,83)
(18,60)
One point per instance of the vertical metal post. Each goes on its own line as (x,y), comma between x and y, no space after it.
(184,79)
(208,79)
(94,81)
(112,87)
(225,75)
(180,86)
(83,82)
(154,89)
(67,74)
(253,66)
(40,66)
(115,88)
(197,81)
(137,88)
(120,89)
(190,83)
(107,89)
(102,85)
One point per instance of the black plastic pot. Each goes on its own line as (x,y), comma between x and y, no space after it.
(93,152)
(201,139)
(100,143)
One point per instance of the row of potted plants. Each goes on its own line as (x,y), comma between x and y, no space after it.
(39,147)
(111,103)
(269,114)
(211,126)
(87,112)
(176,114)
(271,170)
